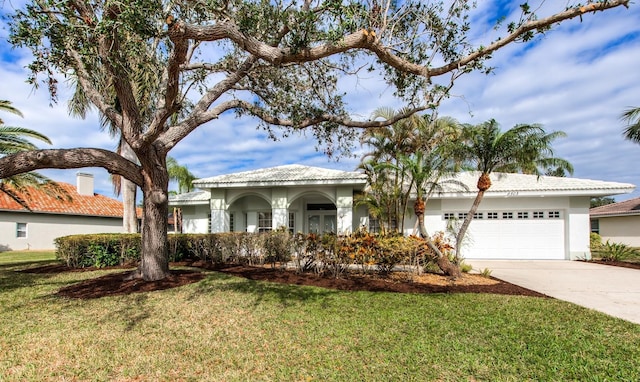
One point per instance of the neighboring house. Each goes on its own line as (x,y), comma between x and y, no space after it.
(618,222)
(52,217)
(521,216)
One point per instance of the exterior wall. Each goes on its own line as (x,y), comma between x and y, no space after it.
(344,210)
(42,229)
(621,229)
(565,237)
(360,217)
(245,204)
(579,227)
(195,219)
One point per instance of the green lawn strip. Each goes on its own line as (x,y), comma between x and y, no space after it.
(227,328)
(21,257)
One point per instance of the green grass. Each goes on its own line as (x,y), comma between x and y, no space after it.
(15,257)
(225,328)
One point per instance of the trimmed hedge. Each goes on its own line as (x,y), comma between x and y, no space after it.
(323,254)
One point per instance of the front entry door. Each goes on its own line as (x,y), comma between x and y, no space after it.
(321,222)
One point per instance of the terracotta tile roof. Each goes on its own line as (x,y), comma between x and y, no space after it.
(627,207)
(40,202)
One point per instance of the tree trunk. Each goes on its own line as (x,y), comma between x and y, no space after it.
(445,265)
(154,259)
(129,189)
(467,221)
(129,216)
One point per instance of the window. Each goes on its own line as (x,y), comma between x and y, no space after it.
(264,221)
(523,215)
(595,226)
(462,215)
(374,225)
(209,222)
(292,222)
(538,214)
(478,215)
(507,215)
(232,223)
(21,229)
(449,215)
(492,215)
(554,215)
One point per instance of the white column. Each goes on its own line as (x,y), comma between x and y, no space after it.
(578,227)
(219,215)
(279,203)
(344,205)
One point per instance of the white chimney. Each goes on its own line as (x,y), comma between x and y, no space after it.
(84,183)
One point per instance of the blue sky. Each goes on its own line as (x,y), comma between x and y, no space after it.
(578,78)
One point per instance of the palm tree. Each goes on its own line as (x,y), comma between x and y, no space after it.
(632,117)
(425,167)
(406,156)
(180,174)
(16,139)
(524,148)
(382,194)
(387,178)
(185,178)
(6,106)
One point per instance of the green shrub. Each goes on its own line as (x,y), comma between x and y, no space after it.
(395,250)
(595,242)
(325,254)
(486,272)
(178,246)
(466,268)
(617,251)
(277,247)
(98,250)
(305,250)
(333,259)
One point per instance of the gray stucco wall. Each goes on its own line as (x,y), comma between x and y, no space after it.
(42,229)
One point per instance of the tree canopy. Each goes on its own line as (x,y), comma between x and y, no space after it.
(157,70)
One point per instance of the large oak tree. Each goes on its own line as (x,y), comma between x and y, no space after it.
(157,70)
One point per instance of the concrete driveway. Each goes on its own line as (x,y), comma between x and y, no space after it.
(611,290)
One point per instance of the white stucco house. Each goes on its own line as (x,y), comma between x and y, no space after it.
(618,222)
(521,216)
(50,217)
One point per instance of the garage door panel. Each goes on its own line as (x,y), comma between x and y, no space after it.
(515,239)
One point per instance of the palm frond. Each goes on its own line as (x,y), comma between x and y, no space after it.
(631,116)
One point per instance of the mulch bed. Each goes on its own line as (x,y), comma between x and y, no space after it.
(120,284)
(623,264)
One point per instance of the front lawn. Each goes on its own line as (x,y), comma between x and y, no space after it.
(229,328)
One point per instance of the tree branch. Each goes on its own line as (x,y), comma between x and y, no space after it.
(81,71)
(171,85)
(109,49)
(69,158)
(200,113)
(526,27)
(347,122)
(366,40)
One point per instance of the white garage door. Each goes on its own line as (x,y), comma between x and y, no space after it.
(516,235)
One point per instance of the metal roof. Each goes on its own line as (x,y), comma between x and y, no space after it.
(531,185)
(288,175)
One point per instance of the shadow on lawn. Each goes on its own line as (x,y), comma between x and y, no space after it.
(263,290)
